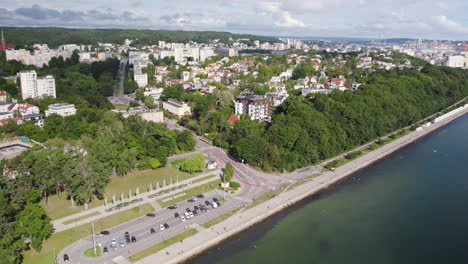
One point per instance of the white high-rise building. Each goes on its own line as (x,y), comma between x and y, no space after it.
(34,87)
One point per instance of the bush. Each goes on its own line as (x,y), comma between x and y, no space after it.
(234,185)
(154,163)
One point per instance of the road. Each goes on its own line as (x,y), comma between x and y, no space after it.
(140,228)
(120,97)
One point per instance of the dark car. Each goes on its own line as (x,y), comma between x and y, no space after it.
(201,196)
(166,226)
(133,239)
(105,250)
(196,208)
(176,215)
(105,233)
(188,210)
(207,203)
(191,200)
(151,214)
(215,199)
(195,212)
(152,231)
(66,258)
(173,206)
(127,237)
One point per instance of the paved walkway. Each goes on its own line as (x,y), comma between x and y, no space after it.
(60,226)
(196,244)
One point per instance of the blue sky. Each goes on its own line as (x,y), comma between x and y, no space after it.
(431,19)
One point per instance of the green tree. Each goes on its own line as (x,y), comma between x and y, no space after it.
(35,223)
(185,141)
(228,172)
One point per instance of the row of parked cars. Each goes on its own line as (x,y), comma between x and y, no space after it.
(200,208)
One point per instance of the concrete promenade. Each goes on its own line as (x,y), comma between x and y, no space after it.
(242,220)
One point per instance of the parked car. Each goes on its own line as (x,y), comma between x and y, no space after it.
(114,243)
(201,196)
(151,214)
(176,215)
(166,225)
(196,208)
(172,206)
(161,227)
(191,215)
(207,203)
(105,233)
(122,242)
(194,212)
(182,218)
(66,258)
(188,210)
(152,231)
(133,239)
(193,199)
(215,199)
(105,250)
(215,205)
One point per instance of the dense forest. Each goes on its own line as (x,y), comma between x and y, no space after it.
(306,130)
(55,37)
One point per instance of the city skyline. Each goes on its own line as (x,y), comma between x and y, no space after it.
(430,19)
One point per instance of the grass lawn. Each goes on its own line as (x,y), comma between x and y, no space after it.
(219,219)
(60,207)
(62,239)
(154,249)
(120,106)
(81,218)
(90,252)
(204,178)
(190,193)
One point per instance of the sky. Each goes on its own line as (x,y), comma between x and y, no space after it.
(427,19)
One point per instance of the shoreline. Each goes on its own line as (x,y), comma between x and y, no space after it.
(245,219)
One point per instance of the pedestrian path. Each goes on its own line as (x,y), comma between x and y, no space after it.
(188,184)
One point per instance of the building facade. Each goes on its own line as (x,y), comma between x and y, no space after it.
(61,109)
(177,108)
(34,87)
(255,106)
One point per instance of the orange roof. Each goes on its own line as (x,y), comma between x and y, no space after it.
(232,119)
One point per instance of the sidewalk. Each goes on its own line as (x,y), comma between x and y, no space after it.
(60,226)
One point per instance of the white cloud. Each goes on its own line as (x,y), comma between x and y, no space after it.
(281,17)
(450,25)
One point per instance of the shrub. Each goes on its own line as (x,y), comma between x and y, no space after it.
(234,185)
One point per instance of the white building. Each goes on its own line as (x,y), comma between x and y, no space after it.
(457,61)
(177,108)
(154,92)
(61,109)
(255,106)
(139,77)
(34,87)
(153,116)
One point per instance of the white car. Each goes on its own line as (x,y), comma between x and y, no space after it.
(182,218)
(187,215)
(161,227)
(191,214)
(215,205)
(114,243)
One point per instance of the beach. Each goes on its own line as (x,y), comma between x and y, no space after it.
(246,218)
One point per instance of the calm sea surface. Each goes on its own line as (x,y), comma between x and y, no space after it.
(411,207)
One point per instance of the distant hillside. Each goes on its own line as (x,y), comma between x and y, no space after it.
(57,36)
